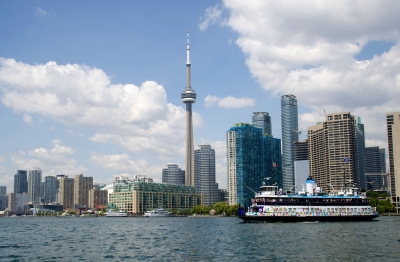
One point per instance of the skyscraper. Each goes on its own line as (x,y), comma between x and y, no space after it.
(189,97)
(375,169)
(66,191)
(244,165)
(301,163)
(204,174)
(393,131)
(290,129)
(34,180)
(21,182)
(333,152)
(82,185)
(272,160)
(3,190)
(50,189)
(262,120)
(361,152)
(173,175)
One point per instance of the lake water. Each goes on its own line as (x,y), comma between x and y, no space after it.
(195,239)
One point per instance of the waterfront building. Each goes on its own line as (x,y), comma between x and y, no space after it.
(301,164)
(204,174)
(138,196)
(50,189)
(3,202)
(333,152)
(188,98)
(271,160)
(393,132)
(376,177)
(223,195)
(34,180)
(98,199)
(361,152)
(17,202)
(173,174)
(82,185)
(244,167)
(21,182)
(3,190)
(58,177)
(66,191)
(290,129)
(99,186)
(300,150)
(262,120)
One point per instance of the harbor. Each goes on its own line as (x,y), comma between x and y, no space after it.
(216,239)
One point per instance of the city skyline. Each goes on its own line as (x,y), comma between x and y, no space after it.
(104,100)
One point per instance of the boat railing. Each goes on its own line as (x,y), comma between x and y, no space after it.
(312,203)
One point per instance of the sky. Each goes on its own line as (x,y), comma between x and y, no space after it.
(94,87)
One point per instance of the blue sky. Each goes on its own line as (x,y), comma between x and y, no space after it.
(94,87)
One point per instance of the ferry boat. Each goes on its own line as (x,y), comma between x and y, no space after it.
(157,213)
(270,205)
(119,213)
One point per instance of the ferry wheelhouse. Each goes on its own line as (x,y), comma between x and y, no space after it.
(270,205)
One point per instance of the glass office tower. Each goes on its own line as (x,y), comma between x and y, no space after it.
(262,120)
(21,182)
(204,174)
(244,163)
(290,129)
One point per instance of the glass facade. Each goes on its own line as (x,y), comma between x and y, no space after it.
(262,120)
(21,182)
(290,129)
(204,174)
(272,161)
(34,180)
(244,154)
(173,175)
(50,189)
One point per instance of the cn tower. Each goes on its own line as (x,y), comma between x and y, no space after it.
(189,97)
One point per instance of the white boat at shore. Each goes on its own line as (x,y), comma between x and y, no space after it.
(119,213)
(157,213)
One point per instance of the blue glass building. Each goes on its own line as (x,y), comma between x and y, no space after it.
(251,158)
(290,129)
(272,160)
(21,182)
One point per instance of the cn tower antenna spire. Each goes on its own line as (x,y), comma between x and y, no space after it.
(188,98)
(188,84)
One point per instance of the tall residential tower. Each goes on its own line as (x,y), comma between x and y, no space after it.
(204,174)
(21,182)
(34,180)
(290,129)
(262,120)
(393,132)
(189,97)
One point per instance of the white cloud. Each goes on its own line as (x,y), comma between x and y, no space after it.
(122,164)
(41,12)
(138,118)
(27,119)
(210,100)
(212,16)
(228,102)
(308,49)
(52,161)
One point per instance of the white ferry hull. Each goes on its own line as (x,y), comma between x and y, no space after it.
(116,214)
(273,219)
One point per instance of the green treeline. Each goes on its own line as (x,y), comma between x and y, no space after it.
(381,202)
